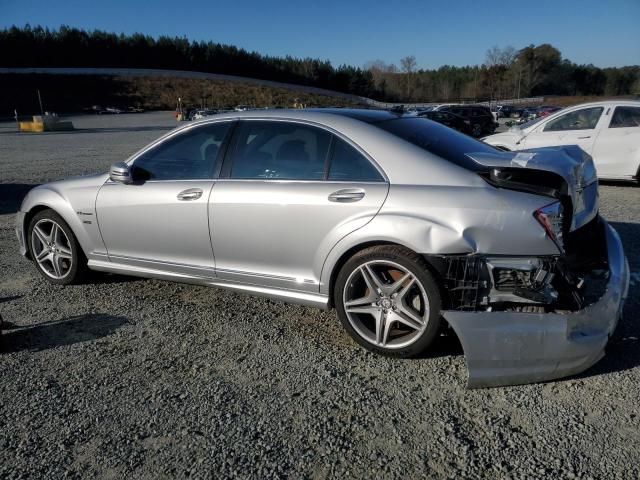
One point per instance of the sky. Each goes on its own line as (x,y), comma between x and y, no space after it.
(605,33)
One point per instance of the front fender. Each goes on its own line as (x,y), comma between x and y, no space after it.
(75,204)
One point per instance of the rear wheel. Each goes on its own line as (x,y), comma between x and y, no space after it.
(388,301)
(55,250)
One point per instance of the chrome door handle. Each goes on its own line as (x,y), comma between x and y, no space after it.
(190,194)
(347,195)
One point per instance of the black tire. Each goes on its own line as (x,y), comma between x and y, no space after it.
(418,268)
(78,269)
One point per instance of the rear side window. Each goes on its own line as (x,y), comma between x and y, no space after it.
(438,140)
(347,164)
(279,150)
(625,117)
(190,155)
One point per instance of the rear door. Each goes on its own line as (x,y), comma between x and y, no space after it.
(290,191)
(617,149)
(578,127)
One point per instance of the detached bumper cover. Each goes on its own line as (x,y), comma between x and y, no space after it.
(509,348)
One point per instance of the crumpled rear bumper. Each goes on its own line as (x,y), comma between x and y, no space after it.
(508,348)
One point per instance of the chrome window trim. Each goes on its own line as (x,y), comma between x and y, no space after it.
(284,180)
(177,131)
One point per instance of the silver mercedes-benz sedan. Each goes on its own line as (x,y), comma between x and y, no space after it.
(402,225)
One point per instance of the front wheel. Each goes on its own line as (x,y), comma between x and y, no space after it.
(388,301)
(55,250)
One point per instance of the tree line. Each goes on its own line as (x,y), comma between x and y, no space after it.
(505,73)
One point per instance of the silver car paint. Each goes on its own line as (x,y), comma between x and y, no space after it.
(431,207)
(74,200)
(251,228)
(142,224)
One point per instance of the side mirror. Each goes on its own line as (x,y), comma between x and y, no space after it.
(120,172)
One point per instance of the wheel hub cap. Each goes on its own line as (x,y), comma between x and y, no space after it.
(51,249)
(386,304)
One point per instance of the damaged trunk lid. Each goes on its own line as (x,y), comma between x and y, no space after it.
(565,173)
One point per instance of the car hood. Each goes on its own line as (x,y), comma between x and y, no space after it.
(572,163)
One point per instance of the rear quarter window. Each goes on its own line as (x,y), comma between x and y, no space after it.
(439,140)
(625,117)
(347,164)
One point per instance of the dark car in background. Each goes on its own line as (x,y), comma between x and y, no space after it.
(505,111)
(529,113)
(449,119)
(480,118)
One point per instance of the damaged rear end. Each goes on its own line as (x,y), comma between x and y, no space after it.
(523,319)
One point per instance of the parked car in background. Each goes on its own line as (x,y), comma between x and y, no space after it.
(398,223)
(609,131)
(547,110)
(449,119)
(528,113)
(201,113)
(415,111)
(480,117)
(504,111)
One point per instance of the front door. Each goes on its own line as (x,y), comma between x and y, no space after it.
(160,221)
(578,127)
(291,192)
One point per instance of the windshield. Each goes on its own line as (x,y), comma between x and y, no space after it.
(438,139)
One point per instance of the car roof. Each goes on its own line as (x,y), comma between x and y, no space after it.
(320,115)
(632,103)
(401,160)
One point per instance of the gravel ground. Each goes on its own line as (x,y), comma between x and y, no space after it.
(148,379)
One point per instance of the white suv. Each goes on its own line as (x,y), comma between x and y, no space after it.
(609,131)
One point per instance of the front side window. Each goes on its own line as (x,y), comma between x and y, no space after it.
(191,155)
(279,150)
(585,119)
(625,117)
(347,164)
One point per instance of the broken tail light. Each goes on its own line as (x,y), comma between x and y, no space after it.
(551,219)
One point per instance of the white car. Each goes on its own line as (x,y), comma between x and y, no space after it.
(609,131)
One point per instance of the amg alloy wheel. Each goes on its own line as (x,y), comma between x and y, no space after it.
(388,301)
(54,249)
